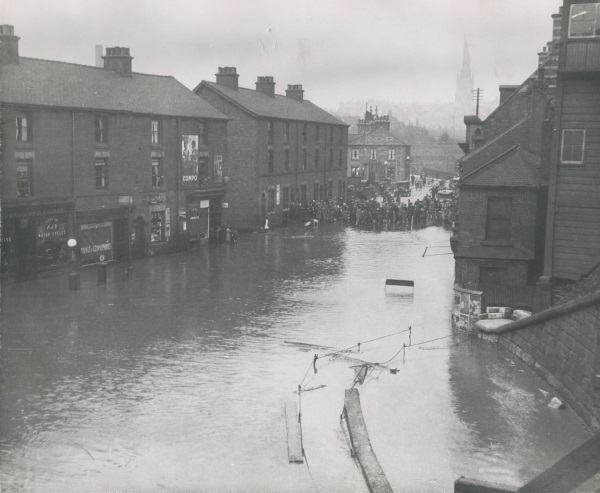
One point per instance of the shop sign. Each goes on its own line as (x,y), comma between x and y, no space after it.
(14,214)
(125,200)
(204,204)
(189,159)
(225,205)
(277,194)
(52,227)
(96,240)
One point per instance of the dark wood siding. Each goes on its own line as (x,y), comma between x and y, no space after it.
(577,228)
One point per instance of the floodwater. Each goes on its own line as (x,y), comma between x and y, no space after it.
(177,380)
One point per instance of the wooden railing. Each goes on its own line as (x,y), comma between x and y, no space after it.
(513,295)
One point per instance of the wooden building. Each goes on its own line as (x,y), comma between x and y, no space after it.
(118,160)
(573,222)
(283,149)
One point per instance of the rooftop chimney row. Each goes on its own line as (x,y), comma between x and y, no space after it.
(119,60)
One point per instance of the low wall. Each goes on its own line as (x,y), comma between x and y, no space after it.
(562,345)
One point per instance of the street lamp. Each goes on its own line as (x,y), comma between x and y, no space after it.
(74,275)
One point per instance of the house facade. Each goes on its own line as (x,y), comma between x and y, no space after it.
(127,164)
(283,150)
(374,154)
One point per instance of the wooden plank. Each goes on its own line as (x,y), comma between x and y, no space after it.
(579,211)
(399,282)
(578,257)
(577,228)
(578,199)
(591,247)
(294,434)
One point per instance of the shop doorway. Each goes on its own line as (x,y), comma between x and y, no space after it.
(139,241)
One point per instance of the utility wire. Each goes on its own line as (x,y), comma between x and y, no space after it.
(364,342)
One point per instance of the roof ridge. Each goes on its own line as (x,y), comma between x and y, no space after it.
(500,135)
(491,161)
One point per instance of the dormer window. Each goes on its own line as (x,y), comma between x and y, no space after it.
(584,20)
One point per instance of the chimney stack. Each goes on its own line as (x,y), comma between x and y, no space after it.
(9,45)
(99,62)
(227,76)
(266,85)
(295,91)
(119,60)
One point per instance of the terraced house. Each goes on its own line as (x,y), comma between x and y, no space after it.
(123,162)
(283,149)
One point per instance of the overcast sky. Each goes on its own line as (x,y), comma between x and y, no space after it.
(399,50)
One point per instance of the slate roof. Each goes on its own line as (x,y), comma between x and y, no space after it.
(515,167)
(58,84)
(281,107)
(377,137)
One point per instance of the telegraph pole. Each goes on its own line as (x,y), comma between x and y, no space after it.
(477,96)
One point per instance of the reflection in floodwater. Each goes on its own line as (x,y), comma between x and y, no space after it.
(177,379)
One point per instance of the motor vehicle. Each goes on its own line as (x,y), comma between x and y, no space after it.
(403,188)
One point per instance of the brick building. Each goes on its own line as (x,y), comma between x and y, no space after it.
(376,155)
(283,149)
(100,154)
(573,222)
(499,244)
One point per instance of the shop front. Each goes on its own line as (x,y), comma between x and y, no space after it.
(102,235)
(34,239)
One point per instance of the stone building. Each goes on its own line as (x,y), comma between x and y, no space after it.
(376,155)
(123,162)
(283,149)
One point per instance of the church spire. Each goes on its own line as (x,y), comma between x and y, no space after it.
(465,71)
(464,82)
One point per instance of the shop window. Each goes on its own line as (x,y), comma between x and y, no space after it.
(330,190)
(24,179)
(271,164)
(270,132)
(573,145)
(391,154)
(584,21)
(304,158)
(157,227)
(498,220)
(202,134)
(23,123)
(373,154)
(156,132)
(355,154)
(101,174)
(157,173)
(303,193)
(493,275)
(52,241)
(331,158)
(285,198)
(271,200)
(317,158)
(341,158)
(316,191)
(100,130)
(287,159)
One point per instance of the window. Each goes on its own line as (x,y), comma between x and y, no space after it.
(24,179)
(157,175)
(285,198)
(373,153)
(330,189)
(271,200)
(303,193)
(202,170)
(270,132)
(287,159)
(316,158)
(101,130)
(573,144)
(318,133)
(101,174)
(331,158)
(270,163)
(316,191)
(304,133)
(391,173)
(321,192)
(355,171)
(156,132)
(304,159)
(23,122)
(157,227)
(341,158)
(498,221)
(392,155)
(202,134)
(584,21)
(355,154)
(287,132)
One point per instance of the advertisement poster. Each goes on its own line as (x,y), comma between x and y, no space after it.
(96,240)
(218,169)
(189,159)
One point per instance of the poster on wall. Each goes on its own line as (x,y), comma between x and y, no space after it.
(95,240)
(189,159)
(218,169)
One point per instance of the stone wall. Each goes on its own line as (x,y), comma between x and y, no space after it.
(562,345)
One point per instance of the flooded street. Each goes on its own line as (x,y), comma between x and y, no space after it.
(177,380)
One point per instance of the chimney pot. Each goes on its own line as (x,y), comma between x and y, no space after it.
(9,45)
(119,60)
(228,77)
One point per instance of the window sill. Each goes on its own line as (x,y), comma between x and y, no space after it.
(571,165)
(500,243)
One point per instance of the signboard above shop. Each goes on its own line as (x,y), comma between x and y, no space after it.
(125,200)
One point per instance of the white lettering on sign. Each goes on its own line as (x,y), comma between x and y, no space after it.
(190,178)
(50,234)
(96,248)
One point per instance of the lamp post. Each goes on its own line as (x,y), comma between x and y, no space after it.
(74,275)
(129,271)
